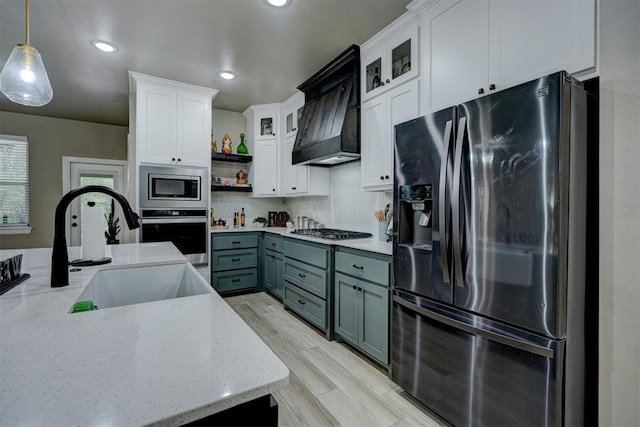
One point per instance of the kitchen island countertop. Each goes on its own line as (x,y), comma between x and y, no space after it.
(371,244)
(160,363)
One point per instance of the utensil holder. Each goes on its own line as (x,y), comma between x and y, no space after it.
(382,228)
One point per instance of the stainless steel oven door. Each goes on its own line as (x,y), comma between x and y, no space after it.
(189,235)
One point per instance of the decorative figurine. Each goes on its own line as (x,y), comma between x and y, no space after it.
(241,177)
(226,144)
(214,143)
(242,149)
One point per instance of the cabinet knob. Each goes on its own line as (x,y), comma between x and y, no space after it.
(359,288)
(301,302)
(382,177)
(173,159)
(386,177)
(381,83)
(480,91)
(388,81)
(492,86)
(74,216)
(355,287)
(179,160)
(74,224)
(294,129)
(273,189)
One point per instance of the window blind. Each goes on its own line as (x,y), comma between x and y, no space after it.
(14,180)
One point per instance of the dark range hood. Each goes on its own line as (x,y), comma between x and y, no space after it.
(329,129)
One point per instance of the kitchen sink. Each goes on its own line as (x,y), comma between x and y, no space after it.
(135,285)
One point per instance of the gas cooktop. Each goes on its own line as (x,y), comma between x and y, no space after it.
(331,234)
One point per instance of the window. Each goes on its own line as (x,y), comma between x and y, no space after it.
(14,184)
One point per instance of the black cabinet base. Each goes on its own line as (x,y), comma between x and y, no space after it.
(259,412)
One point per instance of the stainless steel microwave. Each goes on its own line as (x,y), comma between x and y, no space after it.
(169,187)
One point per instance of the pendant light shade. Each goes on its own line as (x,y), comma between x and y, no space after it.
(23,78)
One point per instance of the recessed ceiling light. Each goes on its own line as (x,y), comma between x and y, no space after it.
(227,75)
(278,3)
(104,46)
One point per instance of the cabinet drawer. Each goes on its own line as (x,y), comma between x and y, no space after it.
(306,253)
(307,277)
(235,259)
(235,280)
(234,241)
(272,242)
(371,269)
(306,305)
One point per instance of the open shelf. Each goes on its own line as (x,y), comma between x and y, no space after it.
(237,158)
(231,188)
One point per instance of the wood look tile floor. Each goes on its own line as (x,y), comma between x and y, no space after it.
(329,384)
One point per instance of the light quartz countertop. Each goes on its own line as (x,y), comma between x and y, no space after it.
(161,363)
(371,244)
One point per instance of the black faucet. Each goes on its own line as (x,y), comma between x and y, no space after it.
(59,256)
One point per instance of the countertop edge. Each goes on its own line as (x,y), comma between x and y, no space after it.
(370,244)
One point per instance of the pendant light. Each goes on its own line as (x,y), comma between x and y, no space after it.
(23,78)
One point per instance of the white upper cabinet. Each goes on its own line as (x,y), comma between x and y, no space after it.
(394,53)
(170,121)
(456,47)
(379,116)
(265,172)
(390,58)
(299,180)
(475,47)
(538,37)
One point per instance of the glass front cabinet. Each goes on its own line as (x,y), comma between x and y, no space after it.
(266,125)
(391,63)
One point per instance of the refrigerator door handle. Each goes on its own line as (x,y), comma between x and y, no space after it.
(455,202)
(492,336)
(444,161)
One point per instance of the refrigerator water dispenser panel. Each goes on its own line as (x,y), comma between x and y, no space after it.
(416,204)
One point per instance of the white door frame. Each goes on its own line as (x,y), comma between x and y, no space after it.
(67,176)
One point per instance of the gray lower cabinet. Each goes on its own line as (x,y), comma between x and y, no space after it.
(234,261)
(362,298)
(308,282)
(273,265)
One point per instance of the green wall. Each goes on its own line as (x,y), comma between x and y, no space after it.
(49,140)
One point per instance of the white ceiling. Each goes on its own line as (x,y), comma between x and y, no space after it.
(272,50)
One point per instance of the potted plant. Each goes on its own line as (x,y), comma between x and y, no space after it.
(262,221)
(112,226)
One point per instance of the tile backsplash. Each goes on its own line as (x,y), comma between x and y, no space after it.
(347,207)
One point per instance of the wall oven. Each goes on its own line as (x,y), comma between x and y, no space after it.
(187,229)
(174,204)
(169,187)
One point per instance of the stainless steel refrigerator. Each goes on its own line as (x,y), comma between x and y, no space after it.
(489,250)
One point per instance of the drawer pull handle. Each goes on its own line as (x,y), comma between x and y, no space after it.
(235,280)
(302,302)
(301,275)
(273,243)
(235,260)
(359,267)
(235,243)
